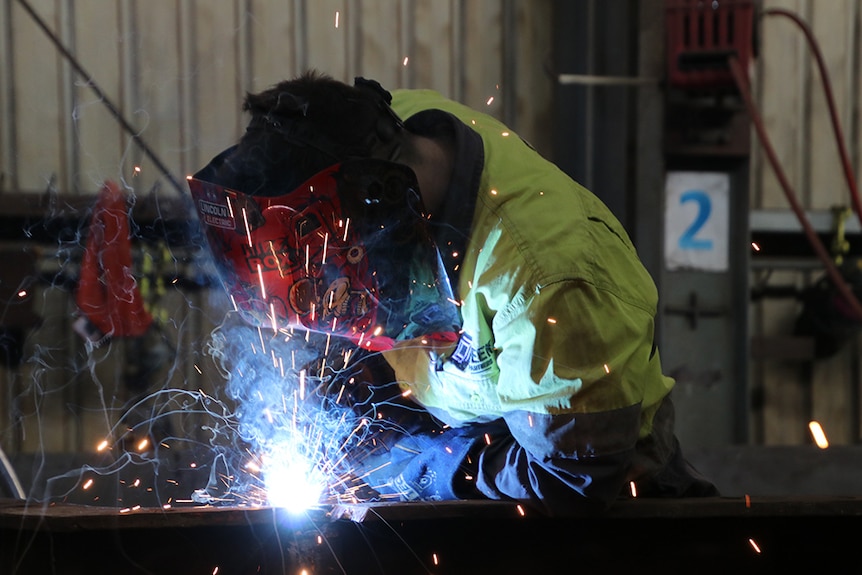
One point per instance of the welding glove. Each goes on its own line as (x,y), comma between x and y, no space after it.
(430,466)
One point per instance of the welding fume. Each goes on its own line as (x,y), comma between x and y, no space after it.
(482,326)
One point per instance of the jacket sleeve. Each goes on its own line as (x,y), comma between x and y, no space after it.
(570,398)
(581,361)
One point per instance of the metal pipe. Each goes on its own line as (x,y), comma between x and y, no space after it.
(103,97)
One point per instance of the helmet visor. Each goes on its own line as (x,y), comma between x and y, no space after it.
(347,253)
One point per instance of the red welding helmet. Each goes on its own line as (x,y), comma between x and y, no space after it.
(348,253)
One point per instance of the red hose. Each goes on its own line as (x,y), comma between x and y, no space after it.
(830,100)
(741,80)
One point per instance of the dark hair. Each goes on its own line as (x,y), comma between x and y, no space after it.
(301,126)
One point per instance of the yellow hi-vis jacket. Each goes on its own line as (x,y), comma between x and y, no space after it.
(558,325)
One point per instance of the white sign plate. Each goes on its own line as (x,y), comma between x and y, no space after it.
(696,223)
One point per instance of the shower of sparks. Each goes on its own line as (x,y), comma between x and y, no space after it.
(818,434)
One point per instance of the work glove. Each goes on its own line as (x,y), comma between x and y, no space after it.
(428,466)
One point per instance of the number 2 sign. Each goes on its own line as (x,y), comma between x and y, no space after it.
(696,220)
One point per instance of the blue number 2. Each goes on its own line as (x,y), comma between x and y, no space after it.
(688,241)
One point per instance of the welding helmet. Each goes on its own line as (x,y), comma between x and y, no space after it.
(346,253)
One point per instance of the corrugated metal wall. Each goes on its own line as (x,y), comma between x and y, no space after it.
(176,71)
(788,394)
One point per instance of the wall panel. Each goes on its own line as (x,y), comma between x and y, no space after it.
(793,103)
(177,71)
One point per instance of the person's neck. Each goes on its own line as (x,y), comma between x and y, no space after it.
(432,159)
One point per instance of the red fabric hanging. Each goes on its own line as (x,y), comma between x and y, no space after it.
(107,293)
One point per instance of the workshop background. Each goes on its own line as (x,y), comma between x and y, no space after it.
(145,93)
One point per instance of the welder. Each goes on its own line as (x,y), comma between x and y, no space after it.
(508,302)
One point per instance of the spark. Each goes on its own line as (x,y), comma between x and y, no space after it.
(137,483)
(22,293)
(818,434)
(505,134)
(607,369)
(633,488)
(404,62)
(406,392)
(552,320)
(137,170)
(272,315)
(102,445)
(142,445)
(521,511)
(493,192)
(262,285)
(247,228)
(530,420)
(346,226)
(325,242)
(215,571)
(434,559)
(87,484)
(487,439)
(755,246)
(747,501)
(336,18)
(320,539)
(754,545)
(490,101)
(377,330)
(302,384)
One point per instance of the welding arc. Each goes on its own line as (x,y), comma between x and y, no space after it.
(102,96)
(836,277)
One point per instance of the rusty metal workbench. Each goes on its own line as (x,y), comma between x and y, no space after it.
(762,535)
